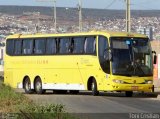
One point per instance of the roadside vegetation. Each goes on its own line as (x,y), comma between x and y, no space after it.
(16,105)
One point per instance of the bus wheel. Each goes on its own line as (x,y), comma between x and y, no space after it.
(153,89)
(38,86)
(129,93)
(27,86)
(95,92)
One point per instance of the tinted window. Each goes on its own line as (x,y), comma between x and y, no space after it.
(64,46)
(39,46)
(10,47)
(103,45)
(18,48)
(51,46)
(27,46)
(90,45)
(103,50)
(78,45)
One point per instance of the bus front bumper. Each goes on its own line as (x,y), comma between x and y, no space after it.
(132,87)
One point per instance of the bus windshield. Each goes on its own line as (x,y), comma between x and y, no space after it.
(131,56)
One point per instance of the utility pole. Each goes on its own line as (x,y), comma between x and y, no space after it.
(128,16)
(80,15)
(55,16)
(37,26)
(55,12)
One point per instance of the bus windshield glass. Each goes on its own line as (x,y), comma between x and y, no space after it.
(131,56)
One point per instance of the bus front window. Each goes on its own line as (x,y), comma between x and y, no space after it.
(131,56)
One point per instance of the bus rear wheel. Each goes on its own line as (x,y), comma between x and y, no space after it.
(27,86)
(38,86)
(129,93)
(95,92)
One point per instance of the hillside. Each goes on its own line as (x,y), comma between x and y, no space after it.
(72,12)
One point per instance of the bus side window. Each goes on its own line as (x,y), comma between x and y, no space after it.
(10,47)
(51,47)
(71,45)
(94,46)
(17,47)
(102,47)
(90,45)
(39,46)
(57,45)
(64,45)
(78,45)
(27,46)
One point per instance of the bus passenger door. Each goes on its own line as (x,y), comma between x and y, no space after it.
(76,73)
(86,59)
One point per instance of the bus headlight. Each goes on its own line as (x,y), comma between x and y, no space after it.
(148,81)
(118,81)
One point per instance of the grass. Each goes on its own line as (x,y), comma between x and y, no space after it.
(15,103)
(10,101)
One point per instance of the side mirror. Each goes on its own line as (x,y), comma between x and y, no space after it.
(110,56)
(154,57)
(107,55)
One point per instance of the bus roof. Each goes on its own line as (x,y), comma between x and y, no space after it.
(105,33)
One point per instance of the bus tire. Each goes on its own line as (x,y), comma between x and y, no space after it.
(153,89)
(95,92)
(129,93)
(38,86)
(27,86)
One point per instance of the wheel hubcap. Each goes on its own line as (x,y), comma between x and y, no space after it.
(92,86)
(28,86)
(38,86)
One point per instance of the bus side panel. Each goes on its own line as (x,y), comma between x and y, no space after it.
(51,76)
(8,78)
(62,73)
(89,67)
(68,73)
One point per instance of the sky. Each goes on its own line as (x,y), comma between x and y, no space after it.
(99,4)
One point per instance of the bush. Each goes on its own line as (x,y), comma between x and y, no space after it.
(20,107)
(49,111)
(10,100)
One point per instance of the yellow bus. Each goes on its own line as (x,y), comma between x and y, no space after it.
(91,61)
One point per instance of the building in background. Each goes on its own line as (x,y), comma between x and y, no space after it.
(146,31)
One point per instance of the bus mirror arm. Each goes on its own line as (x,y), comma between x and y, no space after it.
(154,57)
(154,52)
(110,56)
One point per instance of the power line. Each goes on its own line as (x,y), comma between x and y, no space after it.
(147,1)
(109,5)
(143,4)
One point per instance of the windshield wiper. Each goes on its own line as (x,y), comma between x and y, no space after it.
(138,66)
(135,69)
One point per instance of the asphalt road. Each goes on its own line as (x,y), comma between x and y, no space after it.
(111,105)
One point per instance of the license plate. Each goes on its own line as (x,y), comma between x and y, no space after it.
(135,88)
